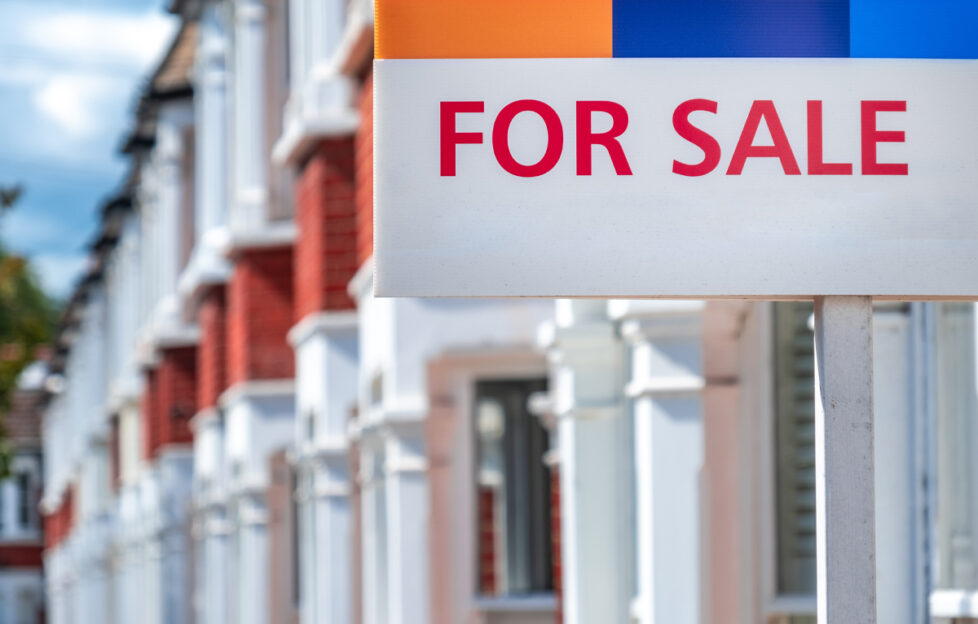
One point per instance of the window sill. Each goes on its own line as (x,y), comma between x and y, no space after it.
(531,603)
(954,603)
(789,604)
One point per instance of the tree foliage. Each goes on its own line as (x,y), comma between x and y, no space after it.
(27,315)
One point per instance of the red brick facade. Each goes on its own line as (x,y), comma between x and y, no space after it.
(58,524)
(488,583)
(170,399)
(177,394)
(260,314)
(326,248)
(20,556)
(365,173)
(212,351)
(147,412)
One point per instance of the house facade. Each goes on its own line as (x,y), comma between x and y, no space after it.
(236,430)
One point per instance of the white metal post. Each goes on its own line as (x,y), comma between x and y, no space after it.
(844,481)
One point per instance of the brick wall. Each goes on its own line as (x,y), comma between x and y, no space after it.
(177,394)
(326,248)
(259,316)
(147,413)
(487,536)
(212,351)
(365,173)
(170,399)
(20,556)
(58,524)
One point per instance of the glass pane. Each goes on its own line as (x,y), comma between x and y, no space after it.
(512,491)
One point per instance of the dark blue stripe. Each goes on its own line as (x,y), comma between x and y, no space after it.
(914,28)
(743,28)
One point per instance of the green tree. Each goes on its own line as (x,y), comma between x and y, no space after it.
(27,315)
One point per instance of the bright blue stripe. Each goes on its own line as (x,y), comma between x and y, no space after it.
(742,28)
(914,28)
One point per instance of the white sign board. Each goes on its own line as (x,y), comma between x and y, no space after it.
(764,178)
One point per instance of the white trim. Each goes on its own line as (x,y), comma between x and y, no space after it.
(270,235)
(203,418)
(301,135)
(954,603)
(531,603)
(359,25)
(405,465)
(788,605)
(256,389)
(322,322)
(677,385)
(361,285)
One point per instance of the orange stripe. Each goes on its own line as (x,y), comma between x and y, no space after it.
(493,28)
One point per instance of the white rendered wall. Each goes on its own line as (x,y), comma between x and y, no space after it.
(665,385)
(326,393)
(398,339)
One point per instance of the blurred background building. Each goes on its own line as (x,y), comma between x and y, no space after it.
(236,431)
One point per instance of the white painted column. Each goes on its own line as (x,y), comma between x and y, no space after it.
(215,566)
(211,78)
(170,152)
(250,153)
(252,566)
(955,465)
(666,386)
(844,463)
(373,531)
(595,471)
(900,475)
(332,557)
(406,489)
(326,389)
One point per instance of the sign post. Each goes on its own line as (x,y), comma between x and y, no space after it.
(760,150)
(844,471)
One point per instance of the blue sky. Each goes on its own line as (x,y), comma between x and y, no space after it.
(69,75)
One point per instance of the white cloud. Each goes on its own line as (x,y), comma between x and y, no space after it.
(70,76)
(75,101)
(117,40)
(16,74)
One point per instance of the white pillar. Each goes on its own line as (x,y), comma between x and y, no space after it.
(844,465)
(211,79)
(374,532)
(900,493)
(332,557)
(169,152)
(595,473)
(326,389)
(215,594)
(406,490)
(251,570)
(666,386)
(249,140)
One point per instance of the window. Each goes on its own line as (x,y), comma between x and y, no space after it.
(27,606)
(794,401)
(513,491)
(25,500)
(956,459)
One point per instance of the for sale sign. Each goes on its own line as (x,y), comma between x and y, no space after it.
(807,172)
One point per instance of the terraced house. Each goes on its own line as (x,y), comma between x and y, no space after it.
(242,433)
